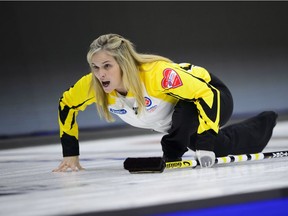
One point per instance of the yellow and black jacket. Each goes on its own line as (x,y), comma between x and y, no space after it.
(164,84)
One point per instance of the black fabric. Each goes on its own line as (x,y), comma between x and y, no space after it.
(70,145)
(166,159)
(246,137)
(183,131)
(184,125)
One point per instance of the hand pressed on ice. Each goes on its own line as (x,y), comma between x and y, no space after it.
(205,158)
(69,163)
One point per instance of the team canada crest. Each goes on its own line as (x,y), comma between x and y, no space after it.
(171,79)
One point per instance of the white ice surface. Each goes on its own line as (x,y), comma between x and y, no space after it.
(33,190)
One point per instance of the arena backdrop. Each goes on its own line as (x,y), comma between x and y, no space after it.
(44,46)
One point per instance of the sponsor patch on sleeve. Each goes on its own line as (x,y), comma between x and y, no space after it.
(171,79)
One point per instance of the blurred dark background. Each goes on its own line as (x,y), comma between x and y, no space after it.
(44,46)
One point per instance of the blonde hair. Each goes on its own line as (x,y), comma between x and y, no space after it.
(129,61)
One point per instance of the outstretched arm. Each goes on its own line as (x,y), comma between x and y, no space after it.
(75,99)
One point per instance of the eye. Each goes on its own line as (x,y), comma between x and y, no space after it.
(94,67)
(107,66)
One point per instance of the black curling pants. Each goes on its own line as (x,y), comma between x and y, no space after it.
(248,136)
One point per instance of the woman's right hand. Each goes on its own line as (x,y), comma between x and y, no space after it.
(69,163)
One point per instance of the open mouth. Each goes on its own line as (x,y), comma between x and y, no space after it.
(105,83)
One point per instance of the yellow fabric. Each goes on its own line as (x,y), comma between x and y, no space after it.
(164,84)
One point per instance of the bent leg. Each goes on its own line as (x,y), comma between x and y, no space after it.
(247,137)
(184,124)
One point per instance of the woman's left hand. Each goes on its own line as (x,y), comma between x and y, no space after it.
(69,163)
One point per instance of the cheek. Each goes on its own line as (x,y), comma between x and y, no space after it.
(119,77)
(116,74)
(120,73)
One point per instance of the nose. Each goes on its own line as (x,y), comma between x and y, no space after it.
(101,73)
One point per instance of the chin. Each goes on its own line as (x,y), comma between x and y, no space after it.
(107,90)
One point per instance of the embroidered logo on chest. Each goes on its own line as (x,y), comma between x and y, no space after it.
(149,106)
(148,102)
(118,111)
(171,79)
